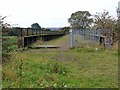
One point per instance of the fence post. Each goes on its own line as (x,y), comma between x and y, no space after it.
(36,31)
(71,38)
(32,31)
(27,31)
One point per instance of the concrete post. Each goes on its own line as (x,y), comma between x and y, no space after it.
(118,11)
(71,38)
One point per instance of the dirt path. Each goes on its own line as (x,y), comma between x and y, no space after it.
(63,42)
(64,46)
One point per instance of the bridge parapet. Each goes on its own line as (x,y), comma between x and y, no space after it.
(27,36)
(31,31)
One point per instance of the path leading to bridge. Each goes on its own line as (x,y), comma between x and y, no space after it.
(60,44)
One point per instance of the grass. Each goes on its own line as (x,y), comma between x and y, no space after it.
(56,41)
(9,40)
(75,68)
(9,43)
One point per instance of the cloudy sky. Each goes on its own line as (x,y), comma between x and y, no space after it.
(50,13)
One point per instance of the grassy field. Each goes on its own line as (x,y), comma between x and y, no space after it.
(81,67)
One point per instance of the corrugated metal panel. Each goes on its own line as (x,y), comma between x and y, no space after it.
(86,37)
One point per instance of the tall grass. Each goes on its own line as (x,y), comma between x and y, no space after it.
(80,68)
(74,68)
(9,43)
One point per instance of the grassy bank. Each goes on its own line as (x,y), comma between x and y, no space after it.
(84,68)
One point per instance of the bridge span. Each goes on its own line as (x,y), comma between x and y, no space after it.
(27,36)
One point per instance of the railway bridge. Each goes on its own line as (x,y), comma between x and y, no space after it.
(27,36)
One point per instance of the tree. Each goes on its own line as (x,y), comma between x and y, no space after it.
(65,30)
(80,19)
(4,26)
(2,22)
(104,21)
(35,26)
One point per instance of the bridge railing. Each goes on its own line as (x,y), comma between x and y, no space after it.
(31,31)
(27,36)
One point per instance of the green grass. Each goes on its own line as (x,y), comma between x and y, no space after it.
(80,68)
(57,41)
(11,40)
(9,43)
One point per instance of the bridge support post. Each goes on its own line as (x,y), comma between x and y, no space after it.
(20,42)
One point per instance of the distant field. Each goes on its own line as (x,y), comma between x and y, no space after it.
(81,68)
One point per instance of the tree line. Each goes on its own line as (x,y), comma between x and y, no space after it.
(103,21)
(84,20)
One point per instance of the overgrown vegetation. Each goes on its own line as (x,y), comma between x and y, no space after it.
(75,68)
(9,43)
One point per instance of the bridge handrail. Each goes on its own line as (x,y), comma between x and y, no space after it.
(33,31)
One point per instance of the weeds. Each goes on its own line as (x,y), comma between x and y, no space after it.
(9,44)
(56,68)
(75,68)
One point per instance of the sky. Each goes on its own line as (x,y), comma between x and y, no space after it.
(51,13)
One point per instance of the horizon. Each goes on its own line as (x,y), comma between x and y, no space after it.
(51,13)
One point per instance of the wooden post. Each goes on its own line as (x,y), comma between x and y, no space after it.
(20,42)
(27,31)
(36,31)
(39,31)
(32,31)
(21,32)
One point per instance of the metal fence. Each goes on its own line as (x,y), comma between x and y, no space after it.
(90,38)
